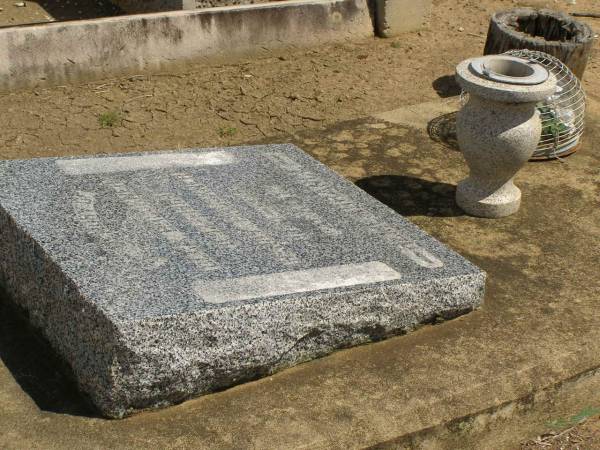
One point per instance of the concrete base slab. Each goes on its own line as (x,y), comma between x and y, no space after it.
(489,379)
(418,116)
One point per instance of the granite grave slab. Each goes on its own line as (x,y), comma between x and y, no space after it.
(161,276)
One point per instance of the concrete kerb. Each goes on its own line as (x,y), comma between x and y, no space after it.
(68,52)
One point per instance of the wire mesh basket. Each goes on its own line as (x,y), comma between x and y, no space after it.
(563,113)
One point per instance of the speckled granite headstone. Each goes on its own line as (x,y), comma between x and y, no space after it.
(166,275)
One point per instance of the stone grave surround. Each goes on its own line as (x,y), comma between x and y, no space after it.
(160,276)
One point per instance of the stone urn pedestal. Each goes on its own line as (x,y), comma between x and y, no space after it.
(498,129)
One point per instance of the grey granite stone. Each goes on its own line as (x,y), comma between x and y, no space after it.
(161,276)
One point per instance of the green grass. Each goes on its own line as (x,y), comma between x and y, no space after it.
(582,416)
(552,124)
(227,131)
(109,119)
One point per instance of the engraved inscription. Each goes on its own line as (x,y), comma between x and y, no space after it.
(216,226)
(86,215)
(85,211)
(196,220)
(230,214)
(348,207)
(150,216)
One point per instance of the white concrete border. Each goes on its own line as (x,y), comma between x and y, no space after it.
(67,52)
(394,17)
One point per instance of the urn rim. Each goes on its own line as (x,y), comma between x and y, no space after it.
(499,91)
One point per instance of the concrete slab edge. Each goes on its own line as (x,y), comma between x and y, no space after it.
(71,52)
(510,423)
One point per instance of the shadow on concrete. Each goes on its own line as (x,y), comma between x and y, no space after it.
(411,196)
(62,10)
(36,367)
(446,86)
(442,129)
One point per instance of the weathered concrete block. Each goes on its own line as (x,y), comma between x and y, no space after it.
(162,276)
(67,52)
(393,17)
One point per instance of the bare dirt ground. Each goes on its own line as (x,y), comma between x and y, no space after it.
(294,97)
(576,437)
(266,96)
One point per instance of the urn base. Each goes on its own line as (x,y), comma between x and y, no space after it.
(481,202)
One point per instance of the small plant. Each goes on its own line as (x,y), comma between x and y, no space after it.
(552,125)
(109,119)
(581,417)
(396,44)
(227,131)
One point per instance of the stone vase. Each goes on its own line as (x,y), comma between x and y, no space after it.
(498,130)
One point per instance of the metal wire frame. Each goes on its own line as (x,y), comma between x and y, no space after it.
(563,113)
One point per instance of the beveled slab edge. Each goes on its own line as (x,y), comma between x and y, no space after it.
(178,357)
(157,362)
(82,336)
